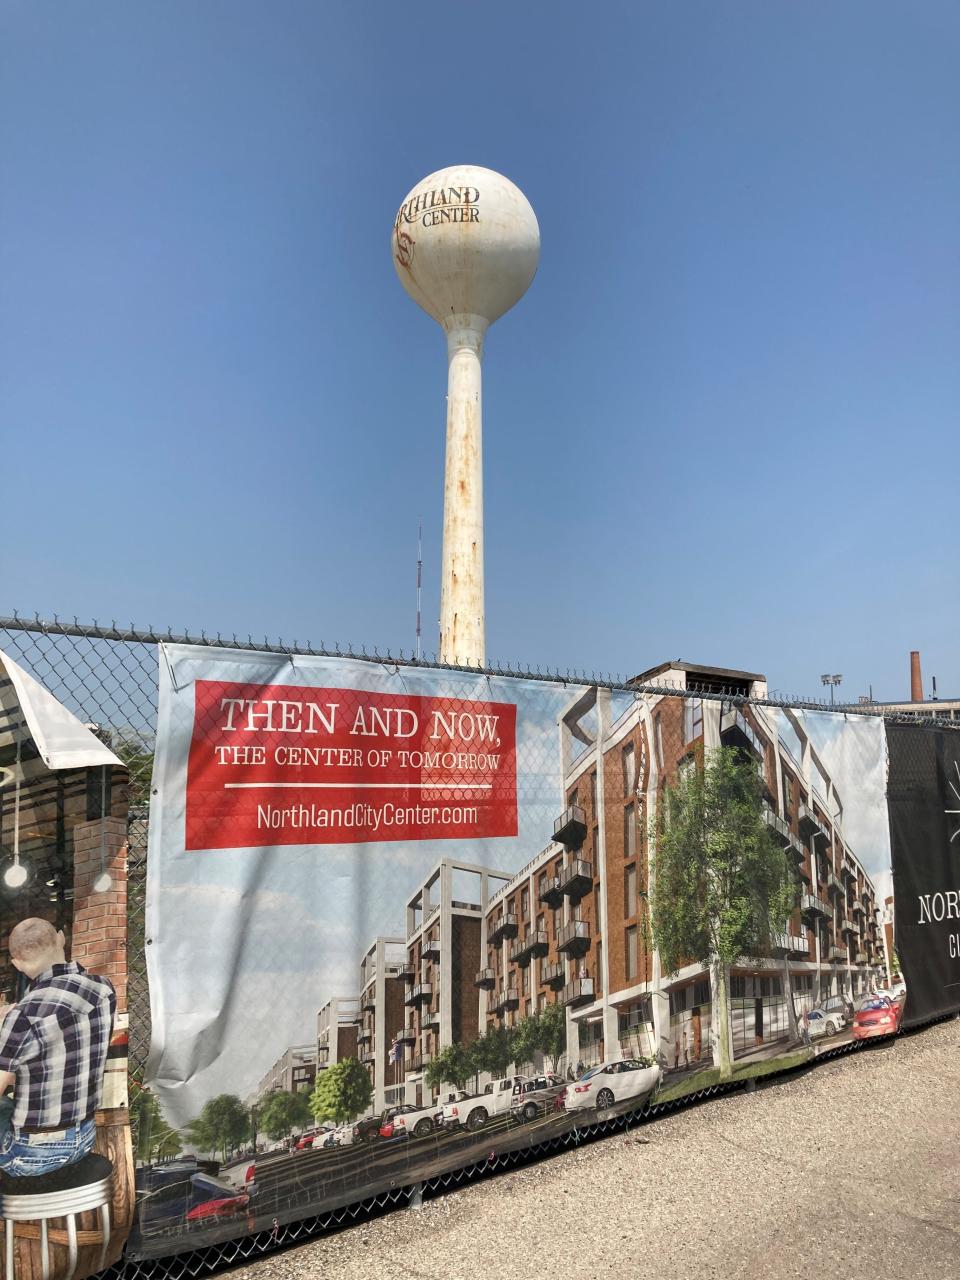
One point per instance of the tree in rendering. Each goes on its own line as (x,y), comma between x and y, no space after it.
(721,885)
(155,1139)
(454,1065)
(342,1092)
(494,1051)
(280,1113)
(551,1032)
(222,1126)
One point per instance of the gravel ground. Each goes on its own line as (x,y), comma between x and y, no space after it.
(849,1168)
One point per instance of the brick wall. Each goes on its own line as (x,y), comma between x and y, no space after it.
(99,935)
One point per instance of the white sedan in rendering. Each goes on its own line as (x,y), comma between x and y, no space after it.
(631,1079)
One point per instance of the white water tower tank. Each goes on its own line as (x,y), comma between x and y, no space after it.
(466,246)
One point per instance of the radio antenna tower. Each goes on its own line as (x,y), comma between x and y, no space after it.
(419,578)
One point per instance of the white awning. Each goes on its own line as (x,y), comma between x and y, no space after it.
(62,740)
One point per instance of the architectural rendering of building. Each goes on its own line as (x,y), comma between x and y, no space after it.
(381,1018)
(574,925)
(444,939)
(337,1029)
(294,1070)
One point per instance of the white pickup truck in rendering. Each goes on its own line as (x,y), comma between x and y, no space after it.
(473,1111)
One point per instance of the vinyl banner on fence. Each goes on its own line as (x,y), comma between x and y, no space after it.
(924,798)
(402,920)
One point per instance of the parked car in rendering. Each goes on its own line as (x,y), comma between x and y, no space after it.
(222,1207)
(877,1016)
(820,1024)
(633,1079)
(407,1120)
(368,1129)
(340,1137)
(312,1138)
(839,1009)
(537,1097)
(473,1111)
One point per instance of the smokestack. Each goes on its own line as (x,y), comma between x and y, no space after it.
(916,680)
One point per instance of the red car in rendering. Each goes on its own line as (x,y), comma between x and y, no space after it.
(876,1016)
(223,1208)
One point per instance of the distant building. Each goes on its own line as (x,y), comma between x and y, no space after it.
(337,1027)
(444,939)
(382,991)
(937,708)
(295,1070)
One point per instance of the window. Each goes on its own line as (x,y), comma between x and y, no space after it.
(598,979)
(525,904)
(658,738)
(634,1017)
(630,833)
(630,952)
(593,792)
(629,892)
(788,793)
(629,770)
(557,920)
(692,719)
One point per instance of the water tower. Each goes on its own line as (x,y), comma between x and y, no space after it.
(465,245)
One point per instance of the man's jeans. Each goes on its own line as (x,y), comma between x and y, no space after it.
(29,1155)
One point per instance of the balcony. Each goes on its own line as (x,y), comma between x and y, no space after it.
(574,938)
(506,998)
(858,909)
(420,1060)
(570,829)
(861,958)
(785,944)
(834,885)
(552,975)
(737,731)
(781,831)
(430,948)
(811,905)
(407,972)
(420,994)
(407,1035)
(368,1057)
(505,926)
(486,980)
(849,873)
(551,894)
(578,992)
(837,954)
(368,1001)
(810,825)
(576,878)
(532,944)
(430,1019)
(364,1037)
(847,926)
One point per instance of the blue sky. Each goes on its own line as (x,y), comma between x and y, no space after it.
(721,426)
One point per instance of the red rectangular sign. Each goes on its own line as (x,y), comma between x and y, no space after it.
(283,764)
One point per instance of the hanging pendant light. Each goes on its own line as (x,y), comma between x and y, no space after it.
(103,882)
(16,872)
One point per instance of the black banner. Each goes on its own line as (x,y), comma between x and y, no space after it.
(924,803)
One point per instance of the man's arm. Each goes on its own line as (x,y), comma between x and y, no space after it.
(7,1078)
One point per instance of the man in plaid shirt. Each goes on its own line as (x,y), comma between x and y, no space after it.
(53,1049)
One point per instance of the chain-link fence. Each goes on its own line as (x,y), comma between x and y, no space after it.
(108,677)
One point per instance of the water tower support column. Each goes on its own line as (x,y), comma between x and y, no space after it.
(462,622)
